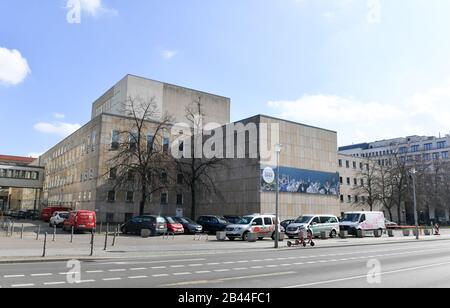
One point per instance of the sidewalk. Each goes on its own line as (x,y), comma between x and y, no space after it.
(29,249)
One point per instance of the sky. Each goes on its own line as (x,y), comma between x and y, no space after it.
(368,69)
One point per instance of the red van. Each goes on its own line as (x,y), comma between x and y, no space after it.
(81,221)
(48,212)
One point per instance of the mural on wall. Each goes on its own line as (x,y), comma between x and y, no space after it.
(303,181)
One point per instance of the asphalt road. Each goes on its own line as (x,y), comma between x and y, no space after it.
(421,264)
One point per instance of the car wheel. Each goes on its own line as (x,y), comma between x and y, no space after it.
(260,238)
(245,237)
(231,238)
(333,234)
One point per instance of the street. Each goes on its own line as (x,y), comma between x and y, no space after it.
(401,265)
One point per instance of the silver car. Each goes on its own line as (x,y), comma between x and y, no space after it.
(263,225)
(314,225)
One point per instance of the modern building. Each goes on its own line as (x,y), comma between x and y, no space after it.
(20,183)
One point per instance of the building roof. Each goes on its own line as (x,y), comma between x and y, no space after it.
(16,159)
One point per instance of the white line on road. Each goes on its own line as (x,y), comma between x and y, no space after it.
(13,276)
(54,283)
(137,277)
(41,275)
(95,272)
(112,279)
(22,285)
(365,276)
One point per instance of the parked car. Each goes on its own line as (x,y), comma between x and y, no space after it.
(391,224)
(233,219)
(173,225)
(263,225)
(32,214)
(21,215)
(286,223)
(48,212)
(190,226)
(367,221)
(81,221)
(156,224)
(314,225)
(213,224)
(58,219)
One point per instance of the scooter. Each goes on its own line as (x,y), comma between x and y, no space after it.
(301,240)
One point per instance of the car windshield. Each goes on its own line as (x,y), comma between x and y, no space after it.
(245,221)
(222,220)
(351,217)
(186,220)
(64,215)
(160,220)
(170,220)
(303,219)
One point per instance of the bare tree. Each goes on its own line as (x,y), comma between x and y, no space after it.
(196,170)
(369,186)
(142,159)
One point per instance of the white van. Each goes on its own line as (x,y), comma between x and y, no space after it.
(263,225)
(367,221)
(315,225)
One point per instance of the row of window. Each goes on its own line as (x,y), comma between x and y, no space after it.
(412,149)
(19,174)
(353,199)
(131,176)
(354,164)
(426,157)
(129,197)
(133,140)
(349,181)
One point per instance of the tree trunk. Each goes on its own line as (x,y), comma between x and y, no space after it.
(142,203)
(391,217)
(193,203)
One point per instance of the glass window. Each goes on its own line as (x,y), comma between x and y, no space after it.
(130,196)
(115,140)
(180,199)
(340,162)
(111,196)
(428,146)
(133,140)
(150,145)
(164,198)
(180,179)
(258,222)
(445,155)
(268,221)
(442,144)
(166,144)
(347,164)
(415,148)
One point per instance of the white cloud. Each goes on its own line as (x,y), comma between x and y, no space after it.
(93,8)
(57,115)
(425,113)
(169,54)
(34,154)
(13,67)
(59,128)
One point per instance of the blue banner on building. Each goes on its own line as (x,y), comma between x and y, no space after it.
(304,181)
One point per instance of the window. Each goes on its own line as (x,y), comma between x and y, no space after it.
(348,181)
(164,198)
(361,166)
(354,165)
(342,198)
(180,179)
(340,162)
(180,199)
(258,222)
(150,145)
(428,146)
(349,199)
(435,156)
(268,221)
(363,199)
(164,177)
(426,157)
(130,176)
(442,144)
(362,182)
(166,143)
(355,181)
(347,164)
(356,198)
(111,196)
(113,173)
(115,140)
(403,150)
(130,196)
(415,148)
(341,180)
(445,155)
(133,141)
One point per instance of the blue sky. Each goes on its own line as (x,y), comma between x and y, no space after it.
(369,69)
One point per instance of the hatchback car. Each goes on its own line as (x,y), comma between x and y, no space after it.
(213,224)
(233,219)
(58,219)
(173,225)
(156,224)
(190,226)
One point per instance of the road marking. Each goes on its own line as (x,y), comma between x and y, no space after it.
(13,276)
(177,266)
(229,262)
(203,272)
(197,282)
(41,275)
(111,279)
(138,269)
(195,265)
(54,283)
(151,262)
(182,274)
(22,285)
(158,267)
(214,263)
(240,269)
(365,276)
(137,277)
(86,281)
(94,272)
(222,270)
(257,267)
(160,275)
(117,270)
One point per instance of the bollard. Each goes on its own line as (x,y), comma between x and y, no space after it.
(114,238)
(106,240)
(92,243)
(54,233)
(101,228)
(38,232)
(21,232)
(45,246)
(71,234)
(12,230)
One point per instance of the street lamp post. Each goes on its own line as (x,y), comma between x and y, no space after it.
(277,235)
(416,219)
